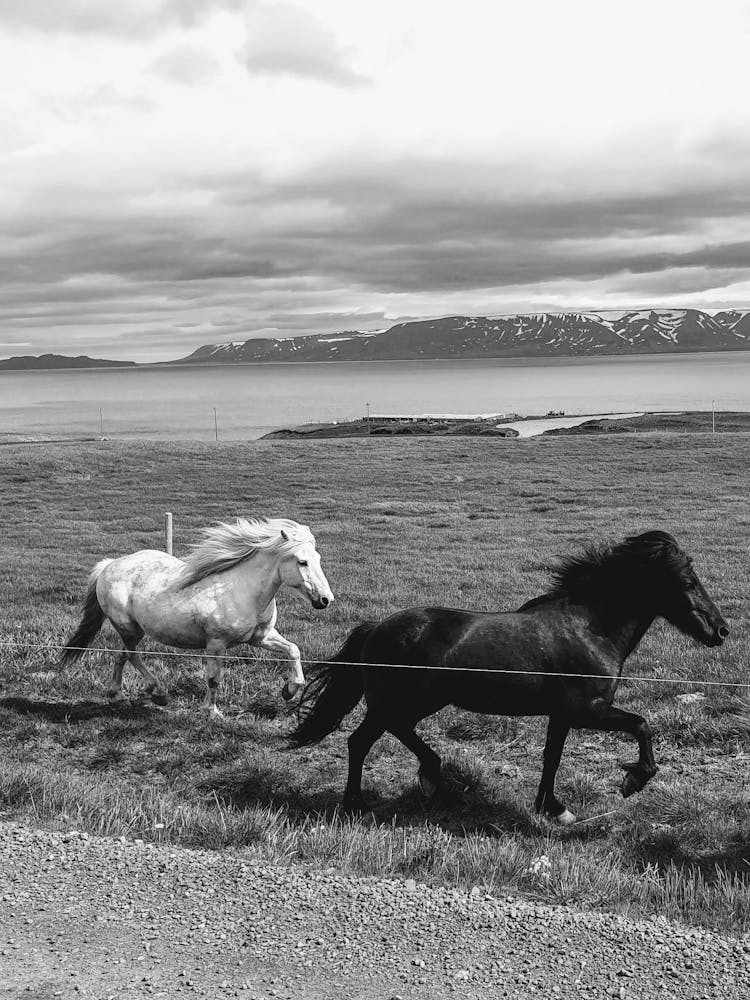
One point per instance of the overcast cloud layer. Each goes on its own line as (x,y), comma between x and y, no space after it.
(181,172)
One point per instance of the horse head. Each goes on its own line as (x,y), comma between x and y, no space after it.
(301,570)
(672,584)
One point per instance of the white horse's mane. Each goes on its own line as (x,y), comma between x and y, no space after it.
(225,545)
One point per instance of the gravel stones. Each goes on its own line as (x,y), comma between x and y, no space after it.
(101,917)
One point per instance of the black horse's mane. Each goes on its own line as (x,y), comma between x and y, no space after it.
(600,569)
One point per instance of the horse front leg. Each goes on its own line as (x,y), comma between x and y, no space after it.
(215,651)
(546,800)
(602,716)
(295,678)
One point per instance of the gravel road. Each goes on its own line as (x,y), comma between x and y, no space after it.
(90,917)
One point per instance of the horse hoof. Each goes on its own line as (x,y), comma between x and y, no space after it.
(630,785)
(115,694)
(159,699)
(426,786)
(565,818)
(290,690)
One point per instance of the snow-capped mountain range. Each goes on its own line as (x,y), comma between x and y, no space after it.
(646,331)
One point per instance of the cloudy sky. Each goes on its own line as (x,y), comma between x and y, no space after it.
(181,172)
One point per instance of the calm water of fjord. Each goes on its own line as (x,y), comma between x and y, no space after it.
(253,399)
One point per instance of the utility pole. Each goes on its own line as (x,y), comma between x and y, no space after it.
(101,423)
(216,426)
(713,417)
(368,417)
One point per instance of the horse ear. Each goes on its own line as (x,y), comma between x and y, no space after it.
(284,535)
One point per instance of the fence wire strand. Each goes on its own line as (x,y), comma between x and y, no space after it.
(623,678)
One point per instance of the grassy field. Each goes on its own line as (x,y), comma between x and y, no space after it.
(467,522)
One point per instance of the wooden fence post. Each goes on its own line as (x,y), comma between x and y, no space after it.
(168,533)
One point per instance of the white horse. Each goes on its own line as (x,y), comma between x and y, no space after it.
(221,595)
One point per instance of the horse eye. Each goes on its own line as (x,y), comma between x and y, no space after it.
(303,562)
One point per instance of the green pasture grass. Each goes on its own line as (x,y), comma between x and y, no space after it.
(470,522)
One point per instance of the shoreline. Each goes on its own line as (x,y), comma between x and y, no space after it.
(609,423)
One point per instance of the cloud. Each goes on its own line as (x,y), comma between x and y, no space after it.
(374,233)
(187,64)
(373,249)
(134,18)
(174,177)
(387,231)
(288,40)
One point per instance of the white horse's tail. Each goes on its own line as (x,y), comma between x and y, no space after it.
(91,620)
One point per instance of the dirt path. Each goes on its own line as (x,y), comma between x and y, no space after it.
(84,917)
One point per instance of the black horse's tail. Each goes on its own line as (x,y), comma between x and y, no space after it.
(91,620)
(333,692)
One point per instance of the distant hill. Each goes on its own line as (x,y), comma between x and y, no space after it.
(528,335)
(29,362)
(647,331)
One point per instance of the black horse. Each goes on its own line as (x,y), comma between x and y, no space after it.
(559,655)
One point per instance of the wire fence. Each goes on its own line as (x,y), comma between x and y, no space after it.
(559,675)
(168,545)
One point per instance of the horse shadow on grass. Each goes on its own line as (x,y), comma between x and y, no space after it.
(77,711)
(672,851)
(459,807)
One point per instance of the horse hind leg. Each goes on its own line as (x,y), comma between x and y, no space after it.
(131,635)
(215,651)
(153,686)
(429,774)
(360,743)
(115,689)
